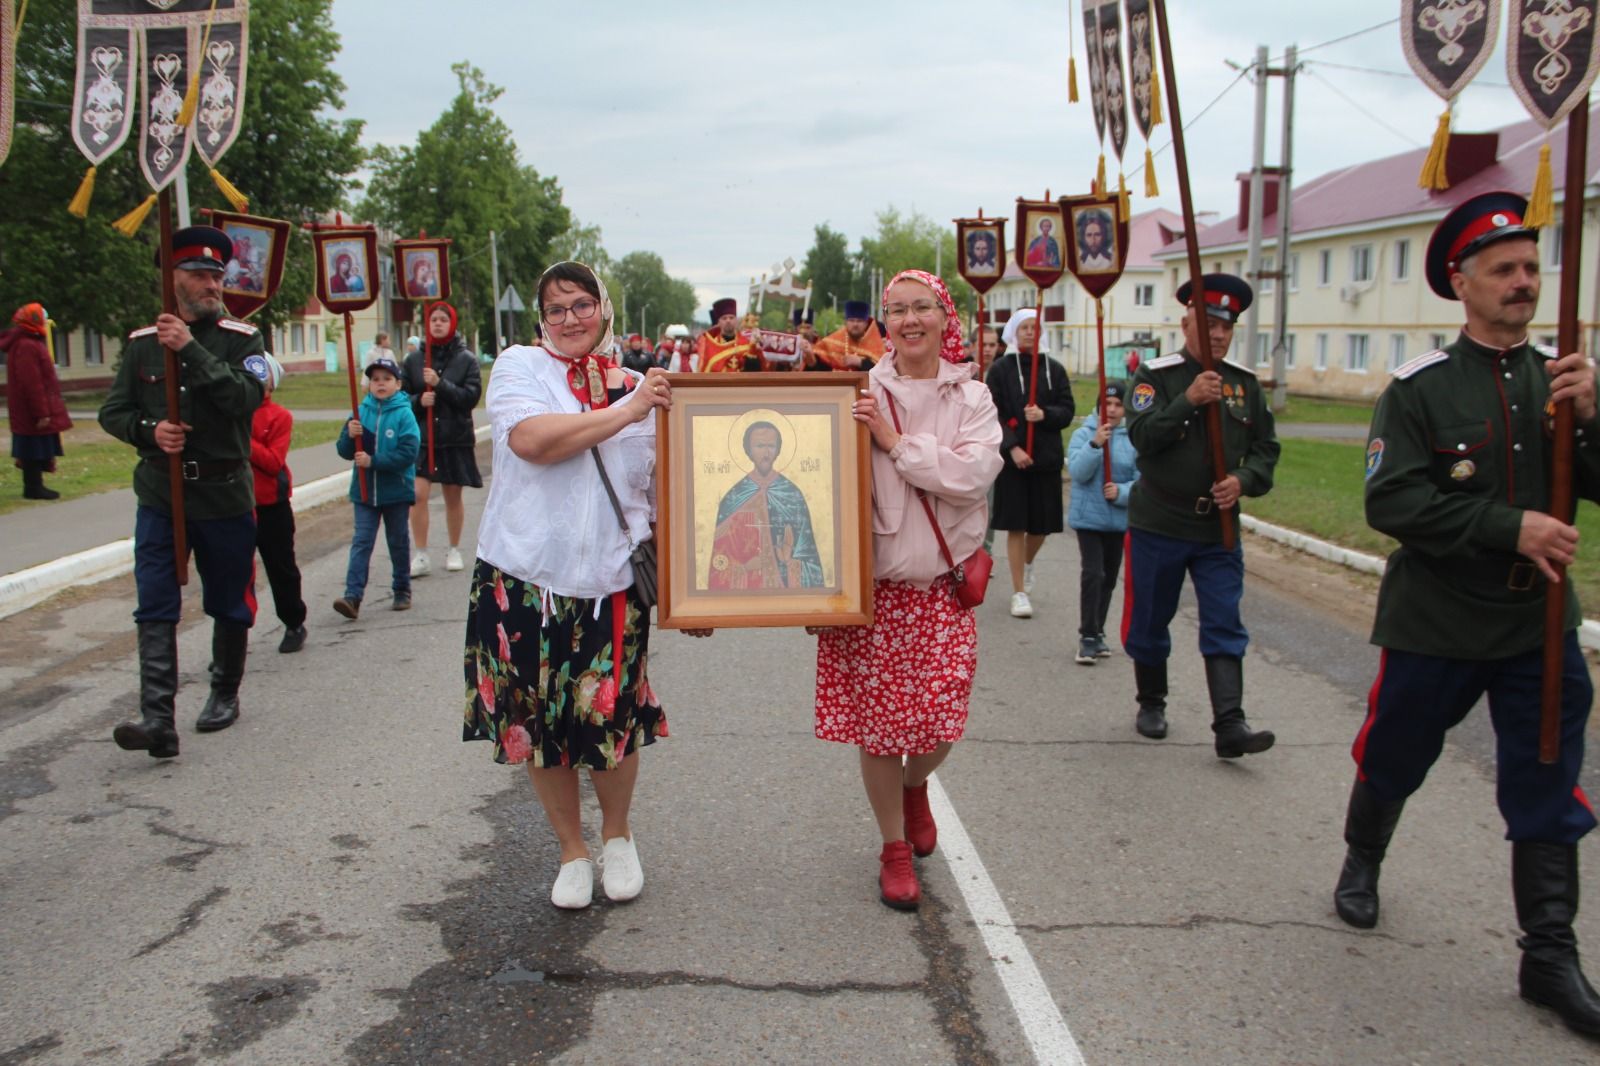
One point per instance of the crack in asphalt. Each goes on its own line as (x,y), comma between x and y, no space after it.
(1202,921)
(186,922)
(33,1048)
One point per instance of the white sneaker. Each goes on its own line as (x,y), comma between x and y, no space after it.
(574,887)
(452,559)
(1020,607)
(1027,578)
(621,876)
(420,566)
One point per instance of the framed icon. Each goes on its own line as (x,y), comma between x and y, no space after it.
(1039,245)
(347,258)
(422,268)
(981,251)
(1099,245)
(764,502)
(253,275)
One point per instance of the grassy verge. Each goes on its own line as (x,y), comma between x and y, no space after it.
(104,465)
(319,390)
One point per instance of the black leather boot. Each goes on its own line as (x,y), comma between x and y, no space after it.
(229,640)
(1234,737)
(1544,881)
(154,731)
(33,482)
(1150,682)
(1368,825)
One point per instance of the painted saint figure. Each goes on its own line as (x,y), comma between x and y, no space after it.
(763,538)
(1044,250)
(345,279)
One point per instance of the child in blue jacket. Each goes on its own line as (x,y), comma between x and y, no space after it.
(386,465)
(1098,512)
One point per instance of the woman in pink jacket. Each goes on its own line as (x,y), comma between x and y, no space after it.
(898,689)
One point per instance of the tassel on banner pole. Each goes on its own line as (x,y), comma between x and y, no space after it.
(1100,177)
(79,207)
(230,192)
(1072,79)
(129,224)
(1124,199)
(191,96)
(1433,174)
(1156,115)
(1541,203)
(1151,189)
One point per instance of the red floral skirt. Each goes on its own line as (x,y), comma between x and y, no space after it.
(899,686)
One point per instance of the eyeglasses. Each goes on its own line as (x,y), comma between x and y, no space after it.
(584,309)
(922,309)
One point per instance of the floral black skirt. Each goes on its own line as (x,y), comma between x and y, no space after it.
(541,686)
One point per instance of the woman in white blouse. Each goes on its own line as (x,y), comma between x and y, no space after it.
(552,590)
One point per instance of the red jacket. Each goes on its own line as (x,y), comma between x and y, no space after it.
(32,388)
(269,452)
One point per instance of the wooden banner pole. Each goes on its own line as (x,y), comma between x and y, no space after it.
(169,305)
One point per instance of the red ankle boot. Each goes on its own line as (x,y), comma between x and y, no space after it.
(921,833)
(897,879)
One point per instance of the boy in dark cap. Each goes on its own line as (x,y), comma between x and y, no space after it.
(1177,507)
(381,485)
(1458,471)
(217,397)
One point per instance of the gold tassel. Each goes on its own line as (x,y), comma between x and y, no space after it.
(1072,79)
(1124,199)
(1100,177)
(191,100)
(79,207)
(230,192)
(1433,174)
(1157,116)
(1151,189)
(129,223)
(1541,205)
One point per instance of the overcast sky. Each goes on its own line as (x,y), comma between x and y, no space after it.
(719,134)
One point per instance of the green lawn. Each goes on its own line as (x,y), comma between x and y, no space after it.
(319,390)
(106,465)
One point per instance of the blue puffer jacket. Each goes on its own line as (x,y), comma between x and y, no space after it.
(1087,507)
(390,435)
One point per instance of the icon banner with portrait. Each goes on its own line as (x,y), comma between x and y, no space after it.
(981,251)
(422,269)
(347,260)
(253,275)
(764,502)
(1039,235)
(1097,241)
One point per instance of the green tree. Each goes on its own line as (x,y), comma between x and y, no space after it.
(654,298)
(829,269)
(462,179)
(913,242)
(290,159)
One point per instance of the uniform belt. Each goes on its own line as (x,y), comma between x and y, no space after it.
(1200,504)
(194,470)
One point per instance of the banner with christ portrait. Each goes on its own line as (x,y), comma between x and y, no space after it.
(1097,247)
(981,251)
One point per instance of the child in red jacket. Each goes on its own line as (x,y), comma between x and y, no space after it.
(269,459)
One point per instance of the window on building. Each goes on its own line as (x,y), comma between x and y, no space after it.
(315,347)
(1269,263)
(63,341)
(1402,260)
(1175,281)
(1438,340)
(94,350)
(1355,353)
(1263,348)
(1361,262)
(1397,350)
(1288,356)
(1548,340)
(297,338)
(1322,351)
(1238,268)
(1552,255)
(1325,267)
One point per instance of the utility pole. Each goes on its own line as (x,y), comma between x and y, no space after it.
(494,292)
(1280,319)
(1252,270)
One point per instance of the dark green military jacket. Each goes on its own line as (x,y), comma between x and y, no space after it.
(1459,447)
(217,396)
(1174,448)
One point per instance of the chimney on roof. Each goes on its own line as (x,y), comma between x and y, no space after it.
(1271,179)
(1470,154)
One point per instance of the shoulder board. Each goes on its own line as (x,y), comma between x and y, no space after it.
(1421,362)
(238,327)
(1165,361)
(1230,364)
(1547,350)
(147,331)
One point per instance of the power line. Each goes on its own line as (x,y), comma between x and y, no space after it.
(1187,126)
(1341,40)
(1478,82)
(1375,118)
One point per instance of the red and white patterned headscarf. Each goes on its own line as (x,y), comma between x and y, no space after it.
(951,350)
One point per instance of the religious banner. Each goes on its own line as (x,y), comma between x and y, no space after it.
(1039,232)
(1108,14)
(422,268)
(174,63)
(1097,80)
(1098,244)
(776,346)
(347,266)
(981,251)
(253,275)
(8,75)
(1551,55)
(1446,42)
(1144,85)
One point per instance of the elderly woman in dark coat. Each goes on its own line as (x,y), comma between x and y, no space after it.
(33,400)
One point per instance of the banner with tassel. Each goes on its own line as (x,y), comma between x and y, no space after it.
(1093,60)
(1447,42)
(1144,85)
(1107,44)
(1552,56)
(8,76)
(123,48)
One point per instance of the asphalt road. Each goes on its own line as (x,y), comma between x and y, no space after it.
(339,878)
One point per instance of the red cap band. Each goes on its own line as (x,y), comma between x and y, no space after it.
(1487,224)
(197,251)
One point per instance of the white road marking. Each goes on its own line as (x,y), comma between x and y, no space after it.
(1036,1010)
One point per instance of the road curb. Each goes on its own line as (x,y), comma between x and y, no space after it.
(25,588)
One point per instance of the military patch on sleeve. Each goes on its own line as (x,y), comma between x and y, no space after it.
(238,327)
(1144,394)
(1165,361)
(1421,362)
(147,331)
(1374,456)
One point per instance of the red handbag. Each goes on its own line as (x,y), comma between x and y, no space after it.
(972,576)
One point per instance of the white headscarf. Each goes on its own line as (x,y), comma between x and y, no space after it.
(1014,323)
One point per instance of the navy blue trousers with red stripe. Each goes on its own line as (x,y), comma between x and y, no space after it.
(1157,565)
(1416,699)
(224,557)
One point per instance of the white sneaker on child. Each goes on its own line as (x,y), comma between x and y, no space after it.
(452,559)
(420,566)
